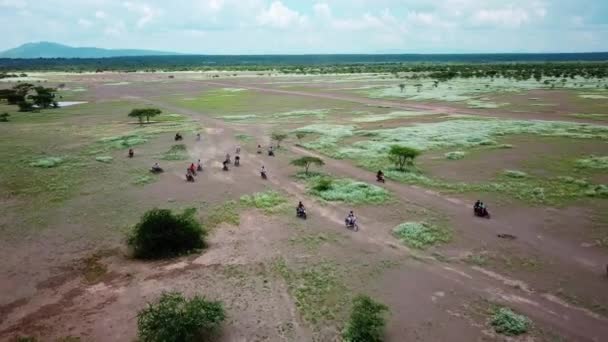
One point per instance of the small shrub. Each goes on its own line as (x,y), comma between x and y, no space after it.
(456,155)
(160,233)
(176,152)
(322,184)
(104,159)
(176,319)
(515,174)
(144,179)
(421,234)
(4,117)
(509,323)
(366,322)
(599,190)
(47,162)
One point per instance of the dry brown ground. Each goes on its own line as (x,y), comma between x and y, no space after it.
(433,295)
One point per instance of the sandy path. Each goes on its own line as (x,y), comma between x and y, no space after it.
(575,321)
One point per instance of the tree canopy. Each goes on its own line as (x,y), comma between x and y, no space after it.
(306,162)
(278,137)
(402,155)
(141,113)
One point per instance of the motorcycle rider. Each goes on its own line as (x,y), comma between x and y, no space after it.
(351,219)
(380,175)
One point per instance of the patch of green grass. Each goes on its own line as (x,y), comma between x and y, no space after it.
(93,270)
(145,179)
(456,155)
(176,152)
(123,141)
(269,202)
(224,213)
(243,137)
(593,162)
(347,191)
(367,321)
(242,117)
(47,162)
(597,117)
(390,116)
(421,235)
(515,174)
(313,241)
(104,159)
(319,295)
(507,322)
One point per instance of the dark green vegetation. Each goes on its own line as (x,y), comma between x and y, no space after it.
(29,97)
(421,235)
(306,162)
(402,156)
(326,64)
(506,322)
(141,113)
(161,234)
(174,318)
(366,322)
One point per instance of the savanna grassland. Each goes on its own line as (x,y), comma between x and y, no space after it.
(534,149)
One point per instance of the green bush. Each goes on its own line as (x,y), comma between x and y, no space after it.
(515,174)
(177,319)
(322,184)
(456,155)
(593,162)
(160,233)
(366,322)
(421,234)
(509,323)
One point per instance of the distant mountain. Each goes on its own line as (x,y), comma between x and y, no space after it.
(54,50)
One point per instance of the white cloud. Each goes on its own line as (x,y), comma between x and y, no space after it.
(146,12)
(100,14)
(280,16)
(508,17)
(421,18)
(85,23)
(17,4)
(322,10)
(115,30)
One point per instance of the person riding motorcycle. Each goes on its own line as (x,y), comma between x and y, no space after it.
(300,209)
(199,166)
(270,151)
(156,168)
(178,136)
(259,149)
(263,171)
(131,153)
(237,160)
(225,167)
(192,169)
(351,219)
(380,176)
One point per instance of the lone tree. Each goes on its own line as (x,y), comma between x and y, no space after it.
(278,137)
(140,113)
(44,97)
(306,162)
(402,155)
(402,86)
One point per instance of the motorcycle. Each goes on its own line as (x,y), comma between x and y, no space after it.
(380,179)
(157,170)
(271,153)
(263,174)
(189,178)
(237,161)
(481,212)
(351,223)
(301,213)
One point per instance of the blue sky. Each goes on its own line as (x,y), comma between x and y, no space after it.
(330,26)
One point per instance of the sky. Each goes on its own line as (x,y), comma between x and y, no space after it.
(301,27)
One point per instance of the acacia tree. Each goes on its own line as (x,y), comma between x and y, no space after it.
(402,155)
(44,97)
(140,113)
(306,162)
(278,137)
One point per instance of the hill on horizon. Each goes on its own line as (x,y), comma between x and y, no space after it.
(55,50)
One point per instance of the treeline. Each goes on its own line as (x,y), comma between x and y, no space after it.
(29,97)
